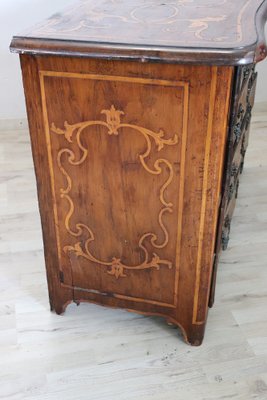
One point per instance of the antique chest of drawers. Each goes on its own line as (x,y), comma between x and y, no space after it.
(139,117)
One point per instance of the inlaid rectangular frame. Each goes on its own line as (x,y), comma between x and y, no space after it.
(143,81)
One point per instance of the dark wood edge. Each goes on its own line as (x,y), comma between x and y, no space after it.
(33,46)
(251,53)
(260,20)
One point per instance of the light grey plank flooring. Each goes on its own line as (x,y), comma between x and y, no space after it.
(95,353)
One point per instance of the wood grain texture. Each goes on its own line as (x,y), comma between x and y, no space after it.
(202,31)
(133,164)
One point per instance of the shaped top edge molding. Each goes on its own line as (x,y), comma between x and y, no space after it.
(217,32)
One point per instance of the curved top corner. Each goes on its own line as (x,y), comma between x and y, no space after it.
(222,32)
(260,20)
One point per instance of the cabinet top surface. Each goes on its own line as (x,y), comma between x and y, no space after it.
(203,29)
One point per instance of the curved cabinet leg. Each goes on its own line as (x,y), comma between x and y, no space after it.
(192,335)
(59,307)
(59,297)
(195,335)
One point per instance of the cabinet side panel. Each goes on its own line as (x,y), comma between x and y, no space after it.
(115,167)
(101,131)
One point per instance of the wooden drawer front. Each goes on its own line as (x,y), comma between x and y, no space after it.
(245,74)
(245,102)
(242,120)
(246,77)
(239,122)
(234,171)
(229,214)
(245,140)
(246,126)
(238,142)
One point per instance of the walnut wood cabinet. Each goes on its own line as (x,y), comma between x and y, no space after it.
(139,120)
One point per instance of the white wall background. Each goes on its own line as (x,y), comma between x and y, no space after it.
(17,15)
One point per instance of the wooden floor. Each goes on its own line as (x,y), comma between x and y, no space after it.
(95,353)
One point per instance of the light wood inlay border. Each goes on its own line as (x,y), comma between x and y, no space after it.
(181,188)
(204,192)
(158,82)
(220,163)
(50,163)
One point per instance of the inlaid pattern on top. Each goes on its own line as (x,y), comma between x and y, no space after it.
(180,23)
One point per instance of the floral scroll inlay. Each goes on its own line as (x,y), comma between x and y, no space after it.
(113,124)
(113,120)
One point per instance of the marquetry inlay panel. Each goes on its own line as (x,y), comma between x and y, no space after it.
(114,125)
(157,247)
